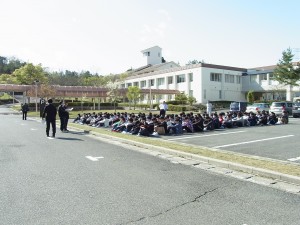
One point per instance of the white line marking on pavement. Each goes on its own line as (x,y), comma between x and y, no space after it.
(247,142)
(294,159)
(208,135)
(33,129)
(94,158)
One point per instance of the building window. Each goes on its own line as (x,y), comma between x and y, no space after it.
(170,80)
(169,97)
(220,94)
(229,78)
(191,78)
(151,82)
(136,84)
(191,93)
(204,93)
(143,83)
(264,76)
(160,81)
(216,77)
(238,79)
(122,85)
(129,84)
(271,76)
(253,78)
(180,78)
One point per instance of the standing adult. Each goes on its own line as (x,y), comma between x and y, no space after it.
(25,109)
(62,115)
(50,114)
(208,108)
(163,107)
(66,117)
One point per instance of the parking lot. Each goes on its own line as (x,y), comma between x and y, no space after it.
(280,142)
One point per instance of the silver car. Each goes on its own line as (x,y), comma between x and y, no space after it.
(278,107)
(296,109)
(258,107)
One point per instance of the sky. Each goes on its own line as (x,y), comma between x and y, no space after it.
(107,36)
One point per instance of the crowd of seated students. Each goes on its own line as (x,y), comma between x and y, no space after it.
(175,124)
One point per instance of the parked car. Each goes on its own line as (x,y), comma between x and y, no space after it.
(278,107)
(296,109)
(258,107)
(238,106)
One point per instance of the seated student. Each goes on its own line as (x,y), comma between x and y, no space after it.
(238,121)
(119,126)
(161,126)
(187,125)
(208,123)
(136,126)
(77,119)
(216,121)
(262,118)
(176,127)
(227,123)
(198,123)
(252,119)
(272,119)
(144,131)
(284,119)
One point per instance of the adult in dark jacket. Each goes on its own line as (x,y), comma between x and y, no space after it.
(61,114)
(50,114)
(25,109)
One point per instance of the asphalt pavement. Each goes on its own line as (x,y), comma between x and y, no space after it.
(79,179)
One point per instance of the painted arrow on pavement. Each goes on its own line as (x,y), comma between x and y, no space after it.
(94,158)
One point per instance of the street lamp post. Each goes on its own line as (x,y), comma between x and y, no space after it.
(36,83)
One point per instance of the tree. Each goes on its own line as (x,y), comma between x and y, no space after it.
(133,94)
(113,93)
(30,73)
(182,98)
(285,73)
(191,100)
(250,96)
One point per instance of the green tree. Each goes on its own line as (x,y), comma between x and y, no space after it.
(182,98)
(250,96)
(133,94)
(285,72)
(191,100)
(30,73)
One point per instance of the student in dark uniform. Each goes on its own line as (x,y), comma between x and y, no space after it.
(25,109)
(50,114)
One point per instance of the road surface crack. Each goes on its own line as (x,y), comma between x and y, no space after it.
(196,199)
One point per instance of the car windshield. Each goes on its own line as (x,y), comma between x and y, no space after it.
(277,104)
(234,104)
(297,103)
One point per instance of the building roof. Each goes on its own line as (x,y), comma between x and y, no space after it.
(147,72)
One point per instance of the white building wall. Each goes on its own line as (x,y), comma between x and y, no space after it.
(202,87)
(220,90)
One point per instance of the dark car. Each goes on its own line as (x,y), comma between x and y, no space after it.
(238,106)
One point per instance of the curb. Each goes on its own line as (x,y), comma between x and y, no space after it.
(221,163)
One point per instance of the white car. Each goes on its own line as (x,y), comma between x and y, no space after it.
(255,107)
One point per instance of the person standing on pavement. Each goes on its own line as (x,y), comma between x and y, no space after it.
(50,114)
(163,107)
(61,114)
(208,108)
(25,109)
(66,117)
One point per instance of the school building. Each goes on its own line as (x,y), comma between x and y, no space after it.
(205,82)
